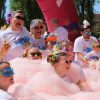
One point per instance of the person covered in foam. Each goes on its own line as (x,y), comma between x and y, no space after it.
(68,70)
(6,80)
(32,53)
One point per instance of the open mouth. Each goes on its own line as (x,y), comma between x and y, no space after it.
(18,24)
(39,32)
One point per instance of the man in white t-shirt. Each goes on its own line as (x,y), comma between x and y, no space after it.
(16,35)
(83,44)
(60,32)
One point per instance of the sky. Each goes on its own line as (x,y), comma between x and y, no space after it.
(96,7)
(7,6)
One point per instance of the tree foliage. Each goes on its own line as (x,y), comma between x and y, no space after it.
(30,7)
(2,12)
(85,9)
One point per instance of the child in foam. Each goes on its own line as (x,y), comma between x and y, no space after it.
(6,80)
(94,56)
(68,71)
(33,54)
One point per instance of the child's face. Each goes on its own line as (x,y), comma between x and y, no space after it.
(34,54)
(96,49)
(63,64)
(51,44)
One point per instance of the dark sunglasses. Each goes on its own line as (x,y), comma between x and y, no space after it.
(35,54)
(7,72)
(87,33)
(68,62)
(38,27)
(19,17)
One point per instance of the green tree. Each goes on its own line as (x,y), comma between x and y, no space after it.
(15,5)
(85,10)
(30,7)
(2,12)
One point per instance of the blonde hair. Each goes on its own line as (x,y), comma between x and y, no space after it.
(4,62)
(96,45)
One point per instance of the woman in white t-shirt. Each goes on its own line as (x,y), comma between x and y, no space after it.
(36,27)
(16,35)
(6,80)
(72,73)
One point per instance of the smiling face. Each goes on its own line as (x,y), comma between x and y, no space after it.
(85,35)
(5,81)
(37,30)
(17,21)
(62,65)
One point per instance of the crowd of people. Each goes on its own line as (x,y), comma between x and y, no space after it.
(38,48)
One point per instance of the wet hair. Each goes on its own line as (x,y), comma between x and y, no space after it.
(54,58)
(35,22)
(54,20)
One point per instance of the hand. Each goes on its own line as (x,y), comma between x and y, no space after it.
(4,49)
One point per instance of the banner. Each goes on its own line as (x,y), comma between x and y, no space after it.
(63,10)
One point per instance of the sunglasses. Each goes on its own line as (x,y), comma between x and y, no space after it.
(87,33)
(52,42)
(67,61)
(35,54)
(19,17)
(7,72)
(38,27)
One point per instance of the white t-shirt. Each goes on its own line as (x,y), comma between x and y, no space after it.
(75,74)
(16,40)
(80,45)
(92,55)
(5,95)
(61,33)
(40,43)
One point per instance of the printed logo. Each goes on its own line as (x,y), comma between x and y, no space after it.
(87,49)
(59,2)
(23,41)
